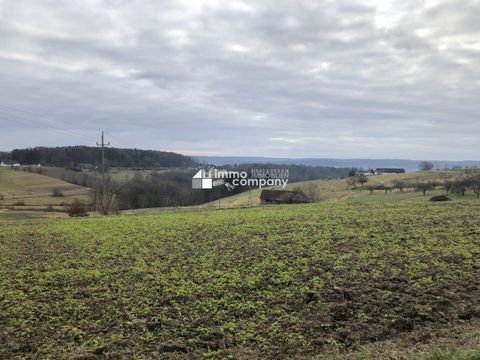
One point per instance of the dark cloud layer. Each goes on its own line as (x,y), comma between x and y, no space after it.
(263,78)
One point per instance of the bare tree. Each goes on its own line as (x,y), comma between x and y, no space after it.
(462,183)
(77,208)
(399,184)
(476,187)
(385,188)
(423,187)
(426,166)
(372,188)
(357,179)
(352,181)
(112,191)
(312,192)
(448,185)
(362,179)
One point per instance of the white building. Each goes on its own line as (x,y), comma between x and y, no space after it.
(2,164)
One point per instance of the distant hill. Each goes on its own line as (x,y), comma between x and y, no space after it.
(409,165)
(69,156)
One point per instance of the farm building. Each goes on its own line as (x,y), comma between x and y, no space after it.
(2,164)
(366,173)
(283,197)
(380,171)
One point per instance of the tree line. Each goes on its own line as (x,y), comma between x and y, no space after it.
(459,185)
(71,156)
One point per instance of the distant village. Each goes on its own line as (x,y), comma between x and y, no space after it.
(380,171)
(2,164)
(79,167)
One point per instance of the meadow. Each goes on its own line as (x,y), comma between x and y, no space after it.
(330,280)
(22,190)
(338,190)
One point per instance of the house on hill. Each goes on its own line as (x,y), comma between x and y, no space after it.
(380,171)
(366,172)
(283,197)
(2,164)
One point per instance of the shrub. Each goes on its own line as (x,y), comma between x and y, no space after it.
(50,208)
(57,192)
(399,184)
(77,208)
(423,187)
(19,203)
(440,198)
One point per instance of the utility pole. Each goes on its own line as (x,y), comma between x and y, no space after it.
(104,185)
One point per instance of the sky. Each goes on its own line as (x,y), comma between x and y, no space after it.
(324,79)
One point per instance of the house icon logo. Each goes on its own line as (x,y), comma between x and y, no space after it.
(202,180)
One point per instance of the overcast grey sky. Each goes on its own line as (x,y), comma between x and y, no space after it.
(377,79)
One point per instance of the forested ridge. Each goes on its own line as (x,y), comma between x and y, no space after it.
(69,156)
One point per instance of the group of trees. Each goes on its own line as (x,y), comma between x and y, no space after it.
(422,186)
(459,185)
(426,166)
(172,188)
(464,183)
(357,179)
(159,189)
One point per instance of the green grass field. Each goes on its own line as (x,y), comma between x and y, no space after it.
(328,280)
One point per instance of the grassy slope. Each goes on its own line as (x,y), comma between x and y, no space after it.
(36,190)
(338,190)
(375,280)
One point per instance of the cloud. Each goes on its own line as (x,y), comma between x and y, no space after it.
(293,79)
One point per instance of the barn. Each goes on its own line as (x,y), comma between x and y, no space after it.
(380,171)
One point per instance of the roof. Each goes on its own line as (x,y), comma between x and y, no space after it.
(284,196)
(390,170)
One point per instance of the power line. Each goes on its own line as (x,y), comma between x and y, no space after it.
(7,117)
(37,116)
(6,111)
